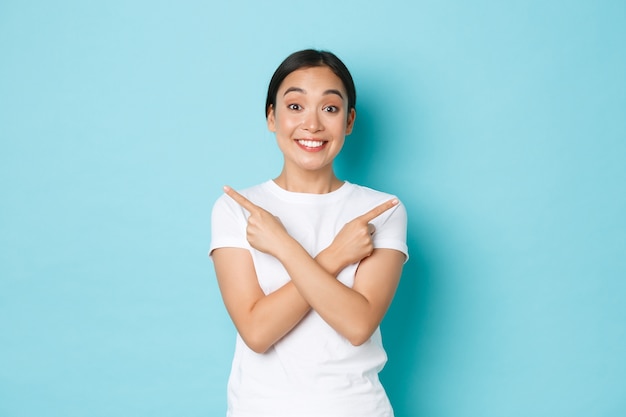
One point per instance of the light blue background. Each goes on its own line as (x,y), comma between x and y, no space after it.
(500,124)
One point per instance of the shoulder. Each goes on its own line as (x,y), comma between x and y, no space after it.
(226,205)
(368,196)
(364,192)
(251,193)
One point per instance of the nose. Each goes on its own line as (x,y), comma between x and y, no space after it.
(312,121)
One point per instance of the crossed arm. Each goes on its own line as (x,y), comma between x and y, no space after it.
(355,312)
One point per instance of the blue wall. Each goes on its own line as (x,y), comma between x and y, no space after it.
(501,125)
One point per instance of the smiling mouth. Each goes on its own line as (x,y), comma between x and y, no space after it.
(311,144)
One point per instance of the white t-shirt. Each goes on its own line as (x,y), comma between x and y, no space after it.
(313,371)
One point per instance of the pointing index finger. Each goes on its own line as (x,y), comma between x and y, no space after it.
(239,199)
(378,210)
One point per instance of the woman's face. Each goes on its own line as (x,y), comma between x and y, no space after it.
(311,118)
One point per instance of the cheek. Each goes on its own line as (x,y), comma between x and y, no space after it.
(287,122)
(340,126)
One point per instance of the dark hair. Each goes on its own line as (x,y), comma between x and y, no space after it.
(308,58)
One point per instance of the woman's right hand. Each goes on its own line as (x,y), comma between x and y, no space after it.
(265,232)
(354,241)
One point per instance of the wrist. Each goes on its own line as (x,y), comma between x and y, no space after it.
(328,260)
(288,249)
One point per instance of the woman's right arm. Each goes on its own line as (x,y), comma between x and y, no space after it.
(260,319)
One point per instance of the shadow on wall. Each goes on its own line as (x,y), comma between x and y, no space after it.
(405,328)
(353,162)
(370,157)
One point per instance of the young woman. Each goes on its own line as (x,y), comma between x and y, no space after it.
(308,264)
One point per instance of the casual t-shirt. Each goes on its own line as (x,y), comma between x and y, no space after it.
(313,371)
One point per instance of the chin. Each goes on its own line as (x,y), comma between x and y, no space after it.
(313,166)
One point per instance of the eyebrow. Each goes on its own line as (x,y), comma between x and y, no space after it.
(300,90)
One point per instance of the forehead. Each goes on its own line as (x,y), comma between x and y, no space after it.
(313,79)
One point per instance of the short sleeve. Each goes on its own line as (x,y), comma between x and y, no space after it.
(228,225)
(391,229)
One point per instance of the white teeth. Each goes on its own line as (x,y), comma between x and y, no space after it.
(311,143)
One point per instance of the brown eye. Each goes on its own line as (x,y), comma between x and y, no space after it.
(331,109)
(294,107)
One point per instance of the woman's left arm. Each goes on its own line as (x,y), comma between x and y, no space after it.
(353,312)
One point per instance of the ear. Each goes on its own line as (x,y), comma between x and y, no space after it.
(271,119)
(350,123)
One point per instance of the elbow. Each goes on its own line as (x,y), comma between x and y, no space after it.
(256,342)
(359,336)
(257,348)
(358,341)
(260,349)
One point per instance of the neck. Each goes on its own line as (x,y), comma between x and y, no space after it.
(310,183)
